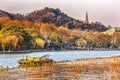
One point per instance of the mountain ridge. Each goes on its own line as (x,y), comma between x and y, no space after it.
(54,16)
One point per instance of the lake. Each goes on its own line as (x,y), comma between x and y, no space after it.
(12,59)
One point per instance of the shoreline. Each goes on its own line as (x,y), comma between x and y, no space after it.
(30,51)
(86,59)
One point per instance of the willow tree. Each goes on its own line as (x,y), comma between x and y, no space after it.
(20,33)
(10,41)
(3,42)
(40,43)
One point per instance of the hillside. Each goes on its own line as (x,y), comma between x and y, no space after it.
(5,14)
(54,16)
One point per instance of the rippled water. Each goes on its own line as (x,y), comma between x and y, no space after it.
(12,59)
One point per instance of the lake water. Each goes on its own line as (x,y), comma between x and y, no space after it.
(12,59)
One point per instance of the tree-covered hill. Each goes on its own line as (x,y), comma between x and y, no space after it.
(54,16)
(5,14)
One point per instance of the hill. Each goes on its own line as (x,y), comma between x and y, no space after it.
(5,14)
(54,16)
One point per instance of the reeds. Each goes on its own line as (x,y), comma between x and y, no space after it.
(95,69)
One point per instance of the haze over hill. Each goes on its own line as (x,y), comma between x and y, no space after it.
(54,16)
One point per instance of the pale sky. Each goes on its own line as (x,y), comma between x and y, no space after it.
(105,11)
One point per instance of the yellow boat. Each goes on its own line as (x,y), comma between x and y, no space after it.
(35,61)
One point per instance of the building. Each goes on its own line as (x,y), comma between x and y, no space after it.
(110,31)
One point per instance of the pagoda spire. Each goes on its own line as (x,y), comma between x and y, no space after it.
(86,19)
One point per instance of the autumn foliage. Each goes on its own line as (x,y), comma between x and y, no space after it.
(24,35)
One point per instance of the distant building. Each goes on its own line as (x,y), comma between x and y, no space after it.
(52,46)
(110,31)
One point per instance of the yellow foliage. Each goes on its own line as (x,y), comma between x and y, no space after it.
(47,29)
(40,42)
(8,40)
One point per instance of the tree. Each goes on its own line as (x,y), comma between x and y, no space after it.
(12,23)
(19,31)
(3,20)
(54,38)
(10,42)
(115,41)
(81,42)
(27,24)
(89,37)
(64,35)
(40,43)
(47,29)
(34,34)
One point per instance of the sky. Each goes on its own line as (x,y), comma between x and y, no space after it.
(105,11)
